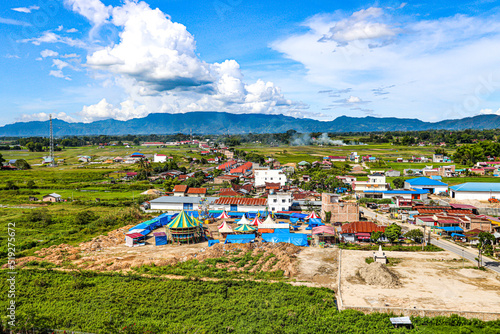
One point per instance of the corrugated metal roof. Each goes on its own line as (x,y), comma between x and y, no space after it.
(423,181)
(242,201)
(360,227)
(477,186)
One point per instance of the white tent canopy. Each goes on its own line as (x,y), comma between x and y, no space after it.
(244,220)
(269,220)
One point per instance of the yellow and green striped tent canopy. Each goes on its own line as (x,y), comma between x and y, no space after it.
(182,221)
(244,228)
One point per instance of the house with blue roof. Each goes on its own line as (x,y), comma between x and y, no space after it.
(480,191)
(424,183)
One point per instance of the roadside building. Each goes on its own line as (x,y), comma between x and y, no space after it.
(160,158)
(424,183)
(481,191)
(196,192)
(240,204)
(340,211)
(280,201)
(180,190)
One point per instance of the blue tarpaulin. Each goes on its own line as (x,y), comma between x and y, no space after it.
(457,235)
(212,242)
(297,239)
(240,238)
(451,229)
(299,215)
(315,221)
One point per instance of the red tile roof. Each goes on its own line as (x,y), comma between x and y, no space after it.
(226,164)
(243,168)
(241,201)
(362,227)
(180,188)
(274,186)
(197,191)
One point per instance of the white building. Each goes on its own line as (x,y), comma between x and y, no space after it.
(376,181)
(481,191)
(280,201)
(160,158)
(423,183)
(269,175)
(177,203)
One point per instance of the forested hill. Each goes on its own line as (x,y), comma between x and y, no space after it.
(221,123)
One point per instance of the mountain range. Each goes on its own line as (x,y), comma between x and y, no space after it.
(222,123)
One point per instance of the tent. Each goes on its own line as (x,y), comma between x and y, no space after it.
(240,238)
(223,215)
(256,222)
(184,228)
(312,215)
(212,242)
(297,239)
(299,215)
(160,238)
(269,220)
(225,228)
(141,231)
(243,221)
(450,229)
(245,228)
(323,230)
(182,221)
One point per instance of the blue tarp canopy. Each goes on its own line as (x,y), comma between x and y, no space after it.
(235,214)
(451,229)
(315,221)
(297,239)
(160,238)
(457,235)
(299,215)
(212,242)
(239,238)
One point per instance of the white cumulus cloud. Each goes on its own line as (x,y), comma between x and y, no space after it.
(94,10)
(49,53)
(45,116)
(26,9)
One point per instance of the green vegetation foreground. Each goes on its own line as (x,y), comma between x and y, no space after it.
(113,303)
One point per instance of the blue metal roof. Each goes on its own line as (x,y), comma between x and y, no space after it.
(423,181)
(477,186)
(450,229)
(436,177)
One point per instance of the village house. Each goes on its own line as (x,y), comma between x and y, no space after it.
(359,231)
(224,178)
(240,204)
(160,158)
(196,192)
(180,190)
(376,181)
(423,183)
(280,201)
(52,198)
(269,175)
(481,191)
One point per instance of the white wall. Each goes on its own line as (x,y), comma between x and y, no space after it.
(241,208)
(479,195)
(279,202)
(270,176)
(437,189)
(159,158)
(168,206)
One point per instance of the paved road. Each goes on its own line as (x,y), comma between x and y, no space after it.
(375,216)
(488,263)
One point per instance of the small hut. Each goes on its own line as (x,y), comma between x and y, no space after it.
(160,238)
(184,229)
(134,239)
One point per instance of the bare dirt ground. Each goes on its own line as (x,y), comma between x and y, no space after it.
(317,267)
(424,281)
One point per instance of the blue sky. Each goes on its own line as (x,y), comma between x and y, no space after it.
(85,60)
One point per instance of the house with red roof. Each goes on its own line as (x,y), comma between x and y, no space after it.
(180,190)
(196,192)
(359,231)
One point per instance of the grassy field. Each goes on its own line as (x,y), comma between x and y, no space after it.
(114,303)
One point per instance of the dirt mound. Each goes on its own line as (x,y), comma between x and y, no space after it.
(113,238)
(377,273)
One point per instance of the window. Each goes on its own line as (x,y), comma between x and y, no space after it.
(273,209)
(187,206)
(275,200)
(234,207)
(283,201)
(283,209)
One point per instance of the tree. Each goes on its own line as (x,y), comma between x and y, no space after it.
(393,232)
(376,235)
(485,245)
(30,146)
(85,217)
(40,216)
(31,184)
(2,160)
(398,182)
(22,164)
(416,235)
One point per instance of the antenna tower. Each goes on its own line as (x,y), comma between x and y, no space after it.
(52,160)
